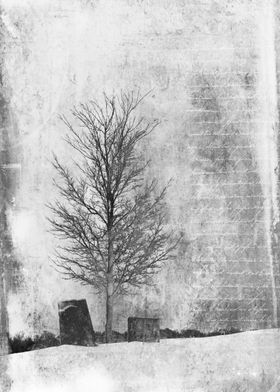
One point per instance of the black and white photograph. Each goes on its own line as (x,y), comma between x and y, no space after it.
(140,196)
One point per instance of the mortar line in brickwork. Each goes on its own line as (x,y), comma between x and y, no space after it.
(262,271)
(241,301)
(249,261)
(243,321)
(245,273)
(216,85)
(217,186)
(219,147)
(231,261)
(223,172)
(231,122)
(240,247)
(241,97)
(218,233)
(246,111)
(220,219)
(225,183)
(217,73)
(215,58)
(230,222)
(240,308)
(227,197)
(254,8)
(218,61)
(239,209)
(235,286)
(237,160)
(203,49)
(223,134)
(229,48)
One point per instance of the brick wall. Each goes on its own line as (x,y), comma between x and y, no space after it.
(211,66)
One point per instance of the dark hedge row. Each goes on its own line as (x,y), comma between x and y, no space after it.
(21,343)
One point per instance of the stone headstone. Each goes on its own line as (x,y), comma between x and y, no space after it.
(143,329)
(75,323)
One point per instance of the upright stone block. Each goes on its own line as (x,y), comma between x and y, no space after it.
(143,329)
(75,323)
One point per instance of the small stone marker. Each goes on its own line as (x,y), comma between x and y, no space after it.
(143,329)
(75,323)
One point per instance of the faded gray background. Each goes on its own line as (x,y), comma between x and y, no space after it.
(213,70)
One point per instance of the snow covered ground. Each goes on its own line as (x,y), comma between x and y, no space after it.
(248,361)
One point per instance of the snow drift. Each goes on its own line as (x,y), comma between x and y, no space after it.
(248,361)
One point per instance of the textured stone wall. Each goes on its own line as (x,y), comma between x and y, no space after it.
(211,66)
(9,168)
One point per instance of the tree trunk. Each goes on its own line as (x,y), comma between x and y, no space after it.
(109,291)
(109,310)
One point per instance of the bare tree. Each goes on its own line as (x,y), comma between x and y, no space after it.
(111,220)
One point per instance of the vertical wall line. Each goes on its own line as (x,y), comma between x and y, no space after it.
(276,221)
(266,140)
